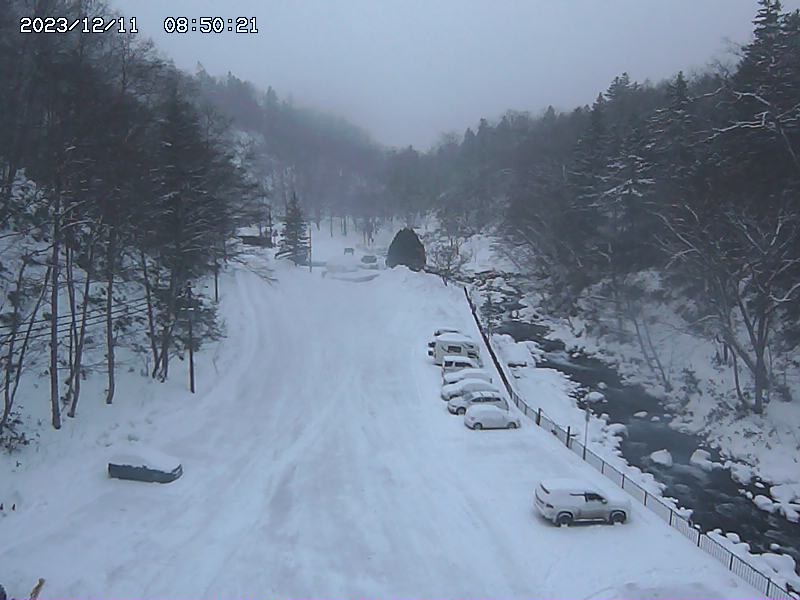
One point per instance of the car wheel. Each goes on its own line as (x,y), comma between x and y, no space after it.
(564,519)
(477,426)
(617,517)
(512,425)
(461,411)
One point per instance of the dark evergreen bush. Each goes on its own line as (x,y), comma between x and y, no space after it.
(406,249)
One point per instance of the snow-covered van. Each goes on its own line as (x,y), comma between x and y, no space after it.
(456,363)
(453,344)
(437,333)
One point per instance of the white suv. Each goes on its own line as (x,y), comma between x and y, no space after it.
(460,404)
(563,501)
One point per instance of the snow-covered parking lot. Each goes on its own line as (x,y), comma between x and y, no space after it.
(320,462)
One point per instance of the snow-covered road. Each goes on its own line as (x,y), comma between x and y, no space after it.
(321,463)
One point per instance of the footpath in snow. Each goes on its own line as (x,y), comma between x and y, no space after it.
(319,462)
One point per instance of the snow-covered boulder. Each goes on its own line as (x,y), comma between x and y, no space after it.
(662,457)
(641,414)
(144,464)
(617,429)
(595,397)
(764,503)
(741,472)
(702,458)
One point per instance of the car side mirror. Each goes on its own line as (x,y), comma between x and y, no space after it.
(603,500)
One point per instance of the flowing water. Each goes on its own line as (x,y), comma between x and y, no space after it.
(716,499)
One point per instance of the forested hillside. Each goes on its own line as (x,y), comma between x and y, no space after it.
(335,168)
(123,181)
(695,180)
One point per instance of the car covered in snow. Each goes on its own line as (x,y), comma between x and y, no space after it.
(460,388)
(439,332)
(564,501)
(459,404)
(489,416)
(369,261)
(456,376)
(453,344)
(456,363)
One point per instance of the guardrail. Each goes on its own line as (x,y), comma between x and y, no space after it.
(735,564)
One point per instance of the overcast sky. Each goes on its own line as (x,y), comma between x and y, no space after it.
(408,70)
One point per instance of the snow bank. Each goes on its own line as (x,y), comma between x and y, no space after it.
(514,354)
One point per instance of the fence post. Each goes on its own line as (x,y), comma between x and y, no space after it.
(602,465)
(584,453)
(539,417)
(623,481)
(699,535)
(671,512)
(568,436)
(730,563)
(645,497)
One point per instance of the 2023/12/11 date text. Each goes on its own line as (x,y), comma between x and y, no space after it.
(83,24)
(210,25)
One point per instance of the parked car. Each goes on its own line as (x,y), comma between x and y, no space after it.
(489,416)
(460,388)
(564,501)
(459,404)
(456,376)
(442,331)
(369,261)
(456,363)
(453,344)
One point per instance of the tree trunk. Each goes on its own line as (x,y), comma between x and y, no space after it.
(739,394)
(110,256)
(54,399)
(9,370)
(151,324)
(73,327)
(166,336)
(81,337)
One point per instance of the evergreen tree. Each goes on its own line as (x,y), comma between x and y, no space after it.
(294,236)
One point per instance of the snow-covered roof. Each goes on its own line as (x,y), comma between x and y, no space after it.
(458,358)
(455,338)
(577,486)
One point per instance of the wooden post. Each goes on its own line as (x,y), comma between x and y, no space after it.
(568,435)
(539,417)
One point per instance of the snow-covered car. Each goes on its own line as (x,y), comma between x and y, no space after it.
(369,261)
(460,388)
(564,501)
(459,404)
(453,344)
(442,331)
(456,363)
(456,376)
(489,416)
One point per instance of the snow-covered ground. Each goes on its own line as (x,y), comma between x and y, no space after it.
(318,462)
(704,400)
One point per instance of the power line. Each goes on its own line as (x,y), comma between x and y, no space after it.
(68,316)
(96,320)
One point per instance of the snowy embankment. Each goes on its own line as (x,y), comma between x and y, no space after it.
(703,398)
(319,461)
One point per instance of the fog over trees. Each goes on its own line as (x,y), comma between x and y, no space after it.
(124,180)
